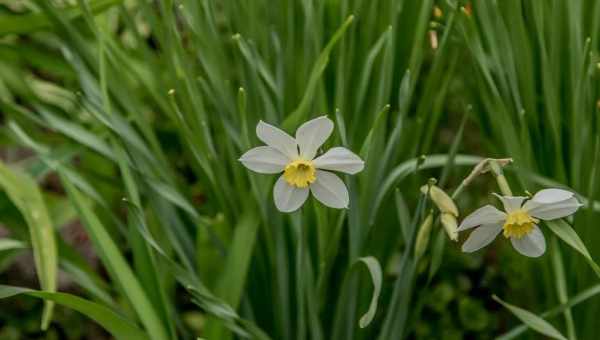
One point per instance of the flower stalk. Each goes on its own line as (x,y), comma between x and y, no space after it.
(500,178)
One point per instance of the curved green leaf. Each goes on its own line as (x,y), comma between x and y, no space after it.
(574,301)
(376,277)
(232,280)
(27,23)
(201,296)
(300,112)
(114,323)
(25,194)
(116,264)
(533,321)
(566,233)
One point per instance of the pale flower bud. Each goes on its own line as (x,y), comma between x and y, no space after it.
(450,225)
(437,12)
(433,39)
(423,236)
(441,199)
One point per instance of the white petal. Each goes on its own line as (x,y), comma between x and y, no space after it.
(552,196)
(277,139)
(312,134)
(481,237)
(330,190)
(483,215)
(264,159)
(552,211)
(532,244)
(288,198)
(340,159)
(511,203)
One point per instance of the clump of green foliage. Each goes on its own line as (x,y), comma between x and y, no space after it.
(128,117)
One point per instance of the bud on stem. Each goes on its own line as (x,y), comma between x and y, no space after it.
(441,199)
(423,235)
(450,225)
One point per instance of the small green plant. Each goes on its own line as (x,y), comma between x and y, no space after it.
(135,120)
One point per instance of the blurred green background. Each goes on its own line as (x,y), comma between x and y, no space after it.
(122,123)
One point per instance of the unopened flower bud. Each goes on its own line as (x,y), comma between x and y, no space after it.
(433,39)
(467,9)
(423,236)
(450,225)
(441,199)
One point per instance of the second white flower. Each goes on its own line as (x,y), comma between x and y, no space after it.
(519,221)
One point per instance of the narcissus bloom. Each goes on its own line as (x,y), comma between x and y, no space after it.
(302,172)
(519,221)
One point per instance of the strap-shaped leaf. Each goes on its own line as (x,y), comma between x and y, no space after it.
(26,196)
(114,323)
(19,24)
(533,321)
(566,233)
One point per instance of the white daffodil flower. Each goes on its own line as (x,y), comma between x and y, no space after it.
(519,221)
(302,172)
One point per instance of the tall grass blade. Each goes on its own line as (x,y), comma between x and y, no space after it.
(114,323)
(27,197)
(533,321)
(116,264)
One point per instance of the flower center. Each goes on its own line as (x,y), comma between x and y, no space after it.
(518,224)
(299,173)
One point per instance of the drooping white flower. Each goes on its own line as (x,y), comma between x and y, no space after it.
(519,221)
(302,172)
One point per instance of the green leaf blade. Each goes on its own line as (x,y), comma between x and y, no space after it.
(533,321)
(104,316)
(25,194)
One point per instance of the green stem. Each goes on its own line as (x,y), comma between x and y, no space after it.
(500,178)
(561,286)
(300,327)
(503,184)
(458,190)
